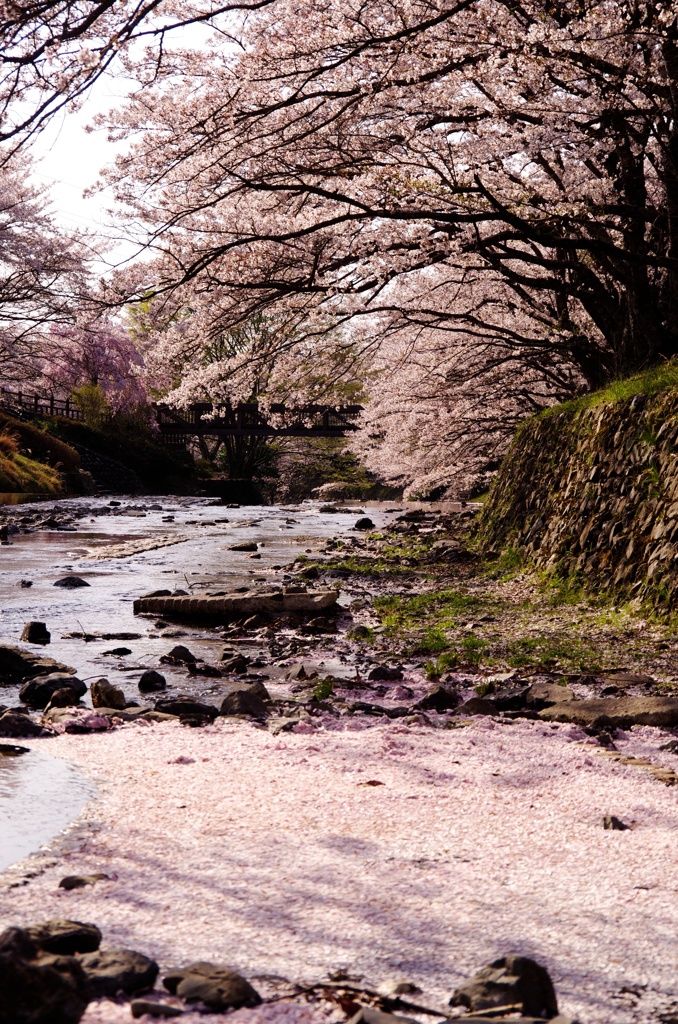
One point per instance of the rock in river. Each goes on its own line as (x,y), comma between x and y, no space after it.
(38,692)
(217,987)
(17,665)
(71,582)
(238,606)
(106,695)
(152,681)
(244,702)
(184,705)
(35,633)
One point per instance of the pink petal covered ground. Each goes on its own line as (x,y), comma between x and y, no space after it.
(271,855)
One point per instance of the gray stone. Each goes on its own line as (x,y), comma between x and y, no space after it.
(237,665)
(545,695)
(218,987)
(110,971)
(244,702)
(365,523)
(613,824)
(179,655)
(66,697)
(71,582)
(246,546)
(35,633)
(476,706)
(515,981)
(106,695)
(369,1015)
(386,674)
(615,712)
(63,937)
(80,881)
(235,606)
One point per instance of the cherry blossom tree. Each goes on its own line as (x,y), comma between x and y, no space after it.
(96,354)
(349,145)
(42,277)
(53,51)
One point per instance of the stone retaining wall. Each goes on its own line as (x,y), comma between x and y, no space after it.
(594,491)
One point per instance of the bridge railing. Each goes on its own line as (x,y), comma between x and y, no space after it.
(30,403)
(247,418)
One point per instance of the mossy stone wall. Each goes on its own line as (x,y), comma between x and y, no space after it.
(594,491)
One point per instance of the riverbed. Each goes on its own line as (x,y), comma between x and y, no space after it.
(411,850)
(195,557)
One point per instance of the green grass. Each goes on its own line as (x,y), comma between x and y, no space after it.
(23,475)
(560,590)
(435,608)
(563,652)
(649,382)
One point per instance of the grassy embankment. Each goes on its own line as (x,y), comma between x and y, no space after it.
(33,462)
(502,611)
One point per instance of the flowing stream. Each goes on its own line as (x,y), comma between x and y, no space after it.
(39,795)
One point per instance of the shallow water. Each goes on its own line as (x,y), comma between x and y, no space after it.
(39,796)
(200,563)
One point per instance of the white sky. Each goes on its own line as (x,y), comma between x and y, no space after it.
(68,161)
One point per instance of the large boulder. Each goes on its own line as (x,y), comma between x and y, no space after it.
(110,971)
(38,692)
(106,695)
(244,702)
(17,665)
(63,937)
(218,987)
(515,981)
(37,988)
(615,712)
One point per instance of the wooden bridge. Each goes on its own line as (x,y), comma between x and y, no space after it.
(247,420)
(202,420)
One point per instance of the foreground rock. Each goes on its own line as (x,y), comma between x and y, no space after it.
(16,725)
(514,982)
(36,987)
(224,609)
(64,937)
(217,987)
(615,712)
(110,971)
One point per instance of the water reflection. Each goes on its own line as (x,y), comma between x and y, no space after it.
(39,796)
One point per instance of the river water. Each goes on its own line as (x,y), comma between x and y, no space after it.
(200,562)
